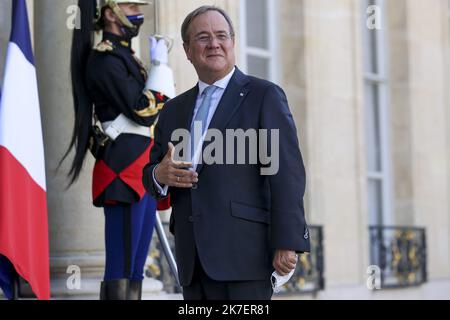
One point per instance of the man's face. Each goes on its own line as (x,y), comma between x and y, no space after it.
(210,47)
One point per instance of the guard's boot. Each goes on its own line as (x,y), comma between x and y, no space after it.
(135,292)
(115,289)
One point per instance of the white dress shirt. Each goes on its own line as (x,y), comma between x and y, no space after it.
(221,84)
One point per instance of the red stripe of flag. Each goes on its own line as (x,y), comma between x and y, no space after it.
(23,224)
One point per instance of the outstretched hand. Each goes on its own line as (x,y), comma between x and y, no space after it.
(175,173)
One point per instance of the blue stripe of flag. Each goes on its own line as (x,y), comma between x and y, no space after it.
(6,277)
(20,31)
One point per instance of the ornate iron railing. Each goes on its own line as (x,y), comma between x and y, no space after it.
(308,277)
(401,255)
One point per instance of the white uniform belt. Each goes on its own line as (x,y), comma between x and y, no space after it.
(122,124)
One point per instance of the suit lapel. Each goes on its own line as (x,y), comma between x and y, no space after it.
(184,110)
(187,109)
(231,100)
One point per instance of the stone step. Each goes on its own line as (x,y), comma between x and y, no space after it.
(151,290)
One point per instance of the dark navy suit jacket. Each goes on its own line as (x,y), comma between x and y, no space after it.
(236,218)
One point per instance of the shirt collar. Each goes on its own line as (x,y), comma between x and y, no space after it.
(222,83)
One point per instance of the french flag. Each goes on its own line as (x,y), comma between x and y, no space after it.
(23,204)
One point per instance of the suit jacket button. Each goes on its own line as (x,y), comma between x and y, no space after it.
(191,219)
(195,186)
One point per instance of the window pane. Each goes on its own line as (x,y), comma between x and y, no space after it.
(370,42)
(257,23)
(258,67)
(375,202)
(373,143)
(370,46)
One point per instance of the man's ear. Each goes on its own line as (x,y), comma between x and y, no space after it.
(110,16)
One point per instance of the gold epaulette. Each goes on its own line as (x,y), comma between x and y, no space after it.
(104,46)
(153,108)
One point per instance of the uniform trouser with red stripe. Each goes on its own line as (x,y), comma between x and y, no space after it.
(128,232)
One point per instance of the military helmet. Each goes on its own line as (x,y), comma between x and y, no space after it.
(114,5)
(103,3)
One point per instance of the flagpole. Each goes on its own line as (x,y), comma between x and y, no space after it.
(16,286)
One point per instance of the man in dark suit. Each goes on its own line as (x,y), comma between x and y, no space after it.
(233,225)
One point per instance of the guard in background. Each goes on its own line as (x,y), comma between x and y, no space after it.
(109,88)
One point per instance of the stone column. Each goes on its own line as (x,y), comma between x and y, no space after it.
(400,111)
(428,84)
(446,40)
(292,71)
(147,30)
(76,227)
(329,106)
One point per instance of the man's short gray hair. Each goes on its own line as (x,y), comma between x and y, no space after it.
(199,11)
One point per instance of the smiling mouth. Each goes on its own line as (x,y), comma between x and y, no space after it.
(215,56)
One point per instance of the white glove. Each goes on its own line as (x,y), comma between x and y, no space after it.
(159,50)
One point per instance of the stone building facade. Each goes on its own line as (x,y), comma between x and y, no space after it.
(367,82)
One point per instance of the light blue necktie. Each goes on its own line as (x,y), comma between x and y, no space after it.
(202,116)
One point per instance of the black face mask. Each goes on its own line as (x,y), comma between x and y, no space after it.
(137,22)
